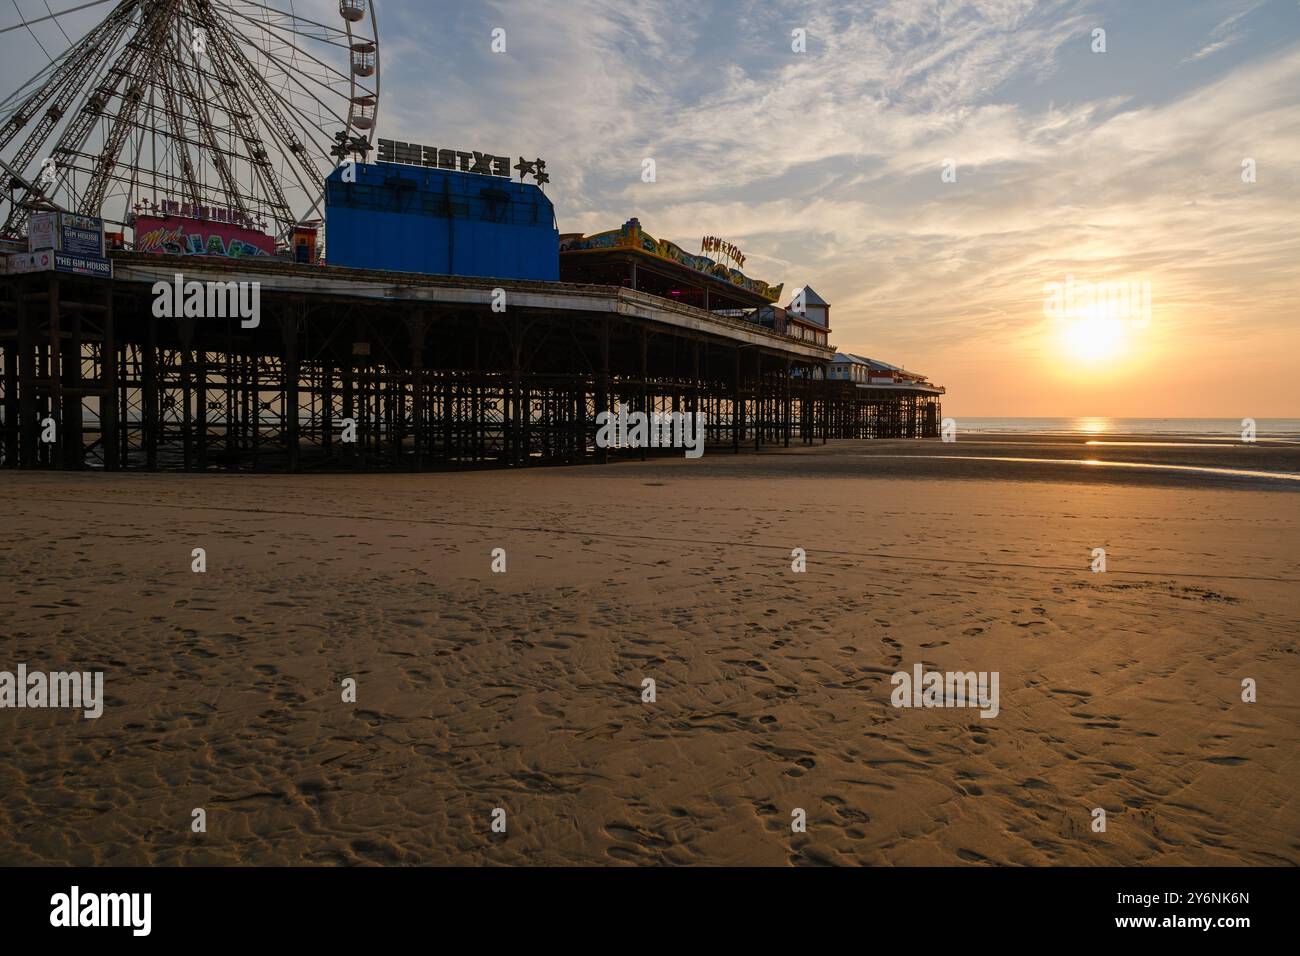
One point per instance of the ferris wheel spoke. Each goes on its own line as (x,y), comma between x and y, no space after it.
(149,55)
(175,121)
(66,82)
(203,116)
(52,15)
(326,28)
(290,24)
(240,199)
(256,153)
(342,77)
(38,80)
(315,98)
(228,57)
(73,138)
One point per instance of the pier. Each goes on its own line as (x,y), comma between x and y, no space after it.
(370,370)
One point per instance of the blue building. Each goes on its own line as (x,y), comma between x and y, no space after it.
(441,222)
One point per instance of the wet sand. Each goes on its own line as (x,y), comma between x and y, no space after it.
(522,690)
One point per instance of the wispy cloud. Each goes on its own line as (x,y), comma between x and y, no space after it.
(1227,33)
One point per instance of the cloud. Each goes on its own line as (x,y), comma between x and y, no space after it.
(1227,33)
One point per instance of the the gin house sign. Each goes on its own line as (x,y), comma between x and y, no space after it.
(413,154)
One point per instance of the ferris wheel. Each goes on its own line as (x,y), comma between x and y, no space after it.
(234,105)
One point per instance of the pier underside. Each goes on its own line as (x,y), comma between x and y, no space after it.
(351,370)
(857,411)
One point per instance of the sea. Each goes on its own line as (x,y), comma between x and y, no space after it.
(1273,428)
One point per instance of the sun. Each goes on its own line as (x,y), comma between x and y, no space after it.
(1092,338)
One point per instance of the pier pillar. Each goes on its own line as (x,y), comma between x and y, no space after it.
(150,393)
(736,413)
(185,331)
(603,384)
(11,403)
(417,328)
(645,384)
(291,323)
(785,405)
(54,377)
(28,422)
(108,406)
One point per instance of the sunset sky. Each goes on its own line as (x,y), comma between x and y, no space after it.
(826,166)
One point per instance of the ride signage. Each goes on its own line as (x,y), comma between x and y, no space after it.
(722,247)
(184,236)
(413,154)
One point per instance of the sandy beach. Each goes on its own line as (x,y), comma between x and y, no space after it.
(523,690)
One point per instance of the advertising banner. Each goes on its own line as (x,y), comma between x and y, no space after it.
(96,266)
(66,232)
(31,262)
(81,235)
(47,259)
(181,236)
(42,228)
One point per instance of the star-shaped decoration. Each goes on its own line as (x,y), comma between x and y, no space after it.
(360,145)
(340,147)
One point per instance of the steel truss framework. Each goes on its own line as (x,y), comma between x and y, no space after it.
(858,412)
(243,105)
(91,378)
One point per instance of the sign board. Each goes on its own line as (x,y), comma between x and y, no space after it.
(465,161)
(96,266)
(181,236)
(31,262)
(66,232)
(184,210)
(631,236)
(42,228)
(714,244)
(52,260)
(81,235)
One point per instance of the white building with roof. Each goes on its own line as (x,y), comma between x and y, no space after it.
(872,373)
(808,316)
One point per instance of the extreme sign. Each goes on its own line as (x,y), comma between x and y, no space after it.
(472,161)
